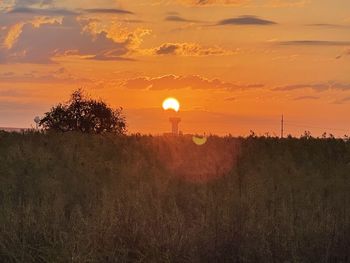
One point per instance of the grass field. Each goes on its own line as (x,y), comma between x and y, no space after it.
(81,198)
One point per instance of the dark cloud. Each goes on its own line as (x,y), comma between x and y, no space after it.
(176,18)
(189,50)
(246,20)
(104,57)
(167,49)
(314,43)
(108,11)
(331,85)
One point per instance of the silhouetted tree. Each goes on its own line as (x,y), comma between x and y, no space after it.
(85,115)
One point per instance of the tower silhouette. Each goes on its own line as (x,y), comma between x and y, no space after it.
(175,125)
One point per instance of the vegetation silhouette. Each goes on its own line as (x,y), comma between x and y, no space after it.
(73,197)
(84,115)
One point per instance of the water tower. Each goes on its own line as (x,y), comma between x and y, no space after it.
(175,125)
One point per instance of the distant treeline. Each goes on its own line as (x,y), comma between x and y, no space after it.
(106,198)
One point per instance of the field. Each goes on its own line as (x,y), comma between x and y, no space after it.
(82,198)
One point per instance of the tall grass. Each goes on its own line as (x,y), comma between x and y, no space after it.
(81,198)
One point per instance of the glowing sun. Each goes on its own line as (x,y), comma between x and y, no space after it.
(171,104)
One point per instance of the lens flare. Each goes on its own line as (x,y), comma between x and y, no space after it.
(171,104)
(199,140)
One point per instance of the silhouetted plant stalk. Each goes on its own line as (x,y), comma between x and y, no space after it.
(105,198)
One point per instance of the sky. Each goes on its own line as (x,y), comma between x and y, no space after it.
(235,65)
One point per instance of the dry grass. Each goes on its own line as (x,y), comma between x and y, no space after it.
(77,198)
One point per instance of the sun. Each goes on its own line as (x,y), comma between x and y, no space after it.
(171,104)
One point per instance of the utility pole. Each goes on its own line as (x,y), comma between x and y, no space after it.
(282,127)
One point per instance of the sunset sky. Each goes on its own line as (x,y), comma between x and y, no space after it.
(234,65)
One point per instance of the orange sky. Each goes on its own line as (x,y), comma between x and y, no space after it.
(235,65)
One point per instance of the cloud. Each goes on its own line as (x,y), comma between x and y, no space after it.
(66,12)
(40,44)
(115,31)
(13,34)
(314,43)
(306,98)
(61,75)
(33,2)
(42,11)
(246,20)
(47,4)
(170,82)
(345,53)
(254,3)
(188,50)
(331,85)
(230,99)
(6,93)
(176,18)
(288,3)
(106,57)
(211,2)
(108,11)
(324,25)
(342,100)
(15,30)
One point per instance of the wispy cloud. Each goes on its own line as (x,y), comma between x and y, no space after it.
(342,100)
(307,98)
(212,2)
(61,75)
(314,43)
(230,99)
(249,3)
(345,53)
(331,85)
(325,25)
(170,82)
(287,3)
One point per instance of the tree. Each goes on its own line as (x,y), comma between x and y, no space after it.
(85,115)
